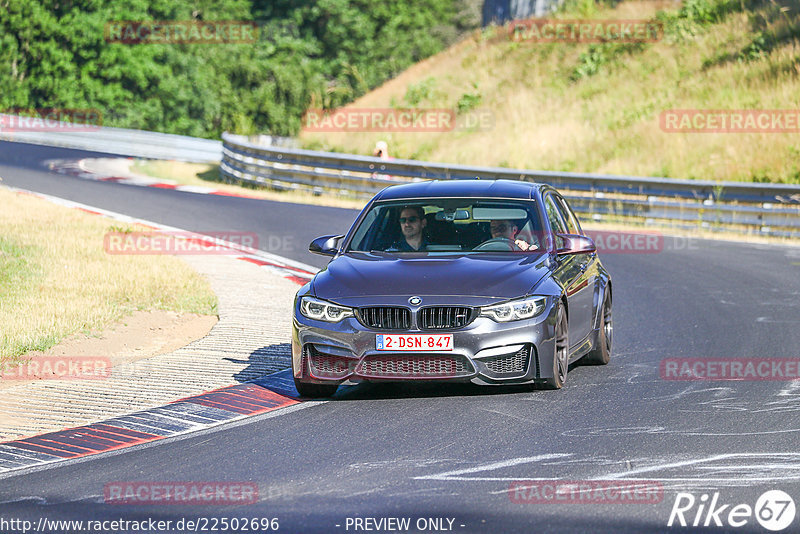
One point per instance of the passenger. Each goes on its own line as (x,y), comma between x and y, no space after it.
(412,224)
(508,230)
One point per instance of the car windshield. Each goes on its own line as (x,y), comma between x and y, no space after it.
(443,226)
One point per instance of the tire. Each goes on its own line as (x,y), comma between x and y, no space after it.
(561,356)
(315,391)
(601,353)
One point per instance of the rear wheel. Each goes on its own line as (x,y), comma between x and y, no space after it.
(561,358)
(601,353)
(315,390)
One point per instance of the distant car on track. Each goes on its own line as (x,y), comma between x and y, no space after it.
(504,289)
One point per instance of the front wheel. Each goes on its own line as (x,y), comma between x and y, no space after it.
(601,353)
(561,357)
(315,391)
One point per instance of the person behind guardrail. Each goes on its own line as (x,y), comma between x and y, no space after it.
(382,151)
(412,224)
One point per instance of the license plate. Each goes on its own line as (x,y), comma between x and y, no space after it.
(415,342)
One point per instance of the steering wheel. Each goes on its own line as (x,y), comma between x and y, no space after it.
(498,243)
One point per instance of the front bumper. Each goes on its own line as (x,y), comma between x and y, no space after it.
(484,352)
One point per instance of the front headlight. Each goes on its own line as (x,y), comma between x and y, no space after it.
(515,310)
(321,310)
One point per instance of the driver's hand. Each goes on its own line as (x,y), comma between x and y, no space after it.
(523,245)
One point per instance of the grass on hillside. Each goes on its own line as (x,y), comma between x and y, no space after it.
(56,279)
(595,107)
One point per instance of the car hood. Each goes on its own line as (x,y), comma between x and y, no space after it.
(354,279)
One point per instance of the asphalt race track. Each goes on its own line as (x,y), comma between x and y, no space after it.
(282,228)
(446,456)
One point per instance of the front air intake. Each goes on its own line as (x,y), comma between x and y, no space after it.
(444,317)
(385,317)
(414,366)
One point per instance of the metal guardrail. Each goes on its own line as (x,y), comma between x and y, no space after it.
(121,141)
(770,209)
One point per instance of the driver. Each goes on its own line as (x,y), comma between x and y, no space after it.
(508,229)
(412,223)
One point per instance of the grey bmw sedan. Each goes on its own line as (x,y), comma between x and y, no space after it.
(490,282)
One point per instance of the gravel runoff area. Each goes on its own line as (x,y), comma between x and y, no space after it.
(250,340)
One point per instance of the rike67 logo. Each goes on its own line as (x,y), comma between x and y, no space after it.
(774,510)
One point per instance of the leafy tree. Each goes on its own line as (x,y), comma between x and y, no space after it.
(323,53)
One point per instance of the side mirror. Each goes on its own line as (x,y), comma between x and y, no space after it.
(327,245)
(575,244)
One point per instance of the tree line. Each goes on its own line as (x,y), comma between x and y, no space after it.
(67,54)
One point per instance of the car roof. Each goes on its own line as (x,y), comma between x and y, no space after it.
(461,188)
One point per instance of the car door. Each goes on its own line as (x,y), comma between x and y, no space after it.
(572,271)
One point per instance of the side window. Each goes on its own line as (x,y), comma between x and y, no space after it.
(573,225)
(554,215)
(372,233)
(365,233)
(557,224)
